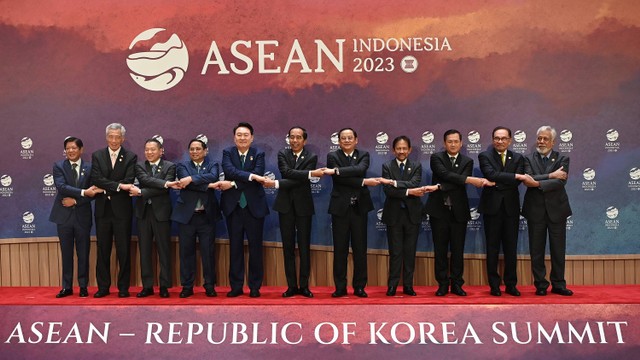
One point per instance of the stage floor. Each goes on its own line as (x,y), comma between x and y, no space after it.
(624,294)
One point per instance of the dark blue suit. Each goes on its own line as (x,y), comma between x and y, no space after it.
(248,220)
(200,224)
(73,223)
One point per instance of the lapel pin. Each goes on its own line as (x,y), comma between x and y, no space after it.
(408,169)
(553,159)
(250,158)
(301,157)
(456,165)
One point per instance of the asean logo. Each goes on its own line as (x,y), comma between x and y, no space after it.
(163,66)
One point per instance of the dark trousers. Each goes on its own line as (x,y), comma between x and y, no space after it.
(108,229)
(240,223)
(448,234)
(402,238)
(501,230)
(351,227)
(292,227)
(200,228)
(149,228)
(557,248)
(73,233)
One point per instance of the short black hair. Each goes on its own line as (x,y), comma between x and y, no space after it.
(73,139)
(355,134)
(304,131)
(204,145)
(451,132)
(245,125)
(400,138)
(500,128)
(155,140)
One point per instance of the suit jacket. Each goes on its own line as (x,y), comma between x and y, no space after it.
(506,188)
(551,197)
(253,190)
(198,189)
(63,178)
(396,196)
(452,183)
(106,177)
(294,192)
(152,187)
(349,183)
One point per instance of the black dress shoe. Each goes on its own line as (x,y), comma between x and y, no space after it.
(391,291)
(359,292)
(290,292)
(339,293)
(457,289)
(408,290)
(235,292)
(164,293)
(541,292)
(101,293)
(442,290)
(495,292)
(306,292)
(145,292)
(64,293)
(511,290)
(211,292)
(83,292)
(186,292)
(124,294)
(562,291)
(254,293)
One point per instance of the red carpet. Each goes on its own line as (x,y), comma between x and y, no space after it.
(477,295)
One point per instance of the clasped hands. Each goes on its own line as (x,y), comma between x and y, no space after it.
(89,192)
(529,181)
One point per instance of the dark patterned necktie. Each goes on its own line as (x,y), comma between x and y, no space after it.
(74,166)
(401,169)
(243,199)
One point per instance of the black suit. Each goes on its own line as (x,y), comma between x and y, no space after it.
(247,220)
(73,223)
(295,207)
(153,210)
(350,202)
(449,218)
(402,214)
(547,209)
(500,207)
(113,214)
(197,211)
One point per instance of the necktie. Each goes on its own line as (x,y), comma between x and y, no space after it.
(545,161)
(453,160)
(243,199)
(113,160)
(199,201)
(154,169)
(503,157)
(74,166)
(401,169)
(295,159)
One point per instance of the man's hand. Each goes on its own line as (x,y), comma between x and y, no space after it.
(371,182)
(558,174)
(185,181)
(69,202)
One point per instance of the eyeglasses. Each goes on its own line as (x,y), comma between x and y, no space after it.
(504,139)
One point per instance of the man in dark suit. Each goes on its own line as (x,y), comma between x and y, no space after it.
(448,210)
(245,206)
(294,204)
(71,212)
(349,205)
(197,211)
(113,169)
(153,210)
(402,213)
(546,208)
(500,207)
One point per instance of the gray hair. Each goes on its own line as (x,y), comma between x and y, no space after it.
(541,129)
(116,126)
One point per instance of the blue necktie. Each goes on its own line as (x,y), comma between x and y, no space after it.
(243,199)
